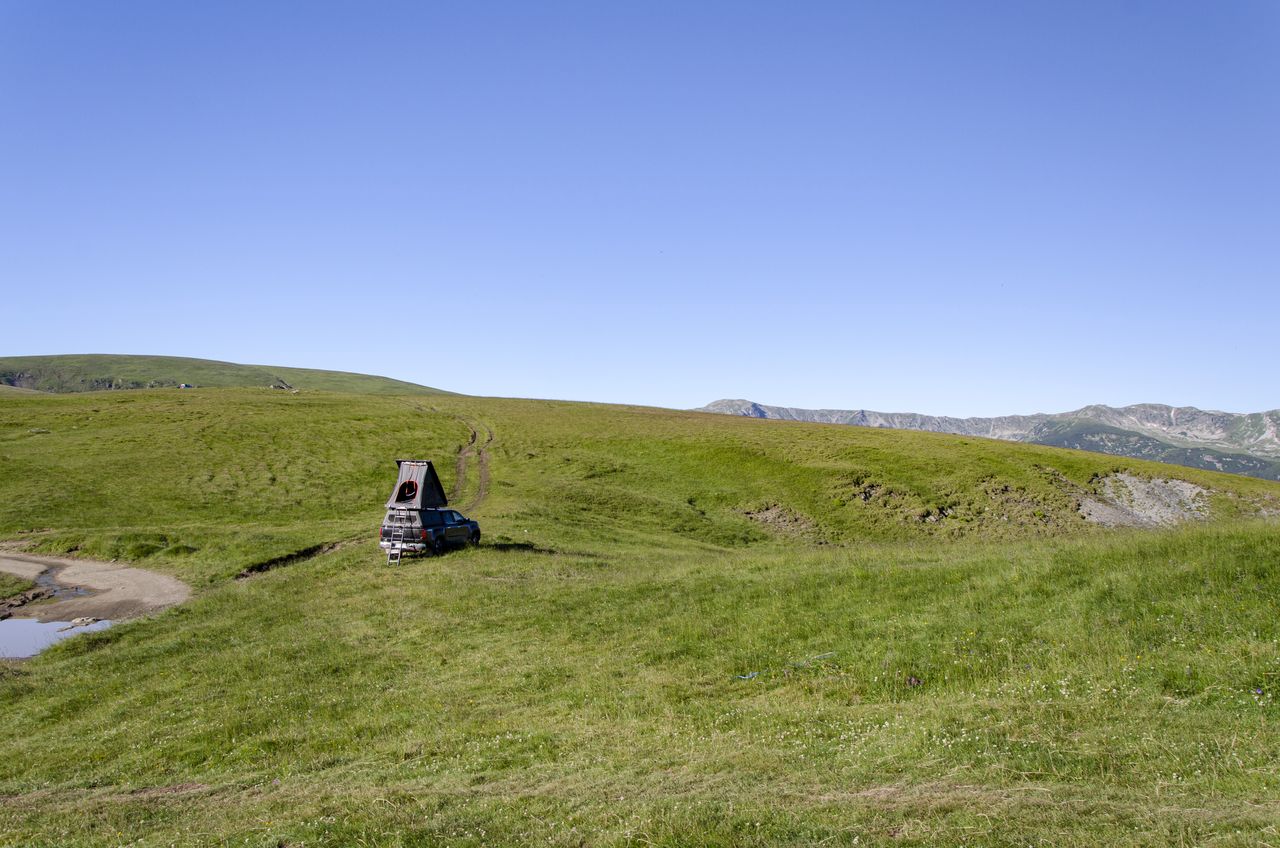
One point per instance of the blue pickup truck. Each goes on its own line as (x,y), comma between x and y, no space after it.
(417,520)
(427,530)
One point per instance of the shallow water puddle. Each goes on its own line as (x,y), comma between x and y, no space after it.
(45,580)
(26,637)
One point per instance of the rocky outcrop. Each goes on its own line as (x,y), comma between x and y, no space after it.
(1129,501)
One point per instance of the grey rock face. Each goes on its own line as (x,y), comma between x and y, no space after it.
(1129,501)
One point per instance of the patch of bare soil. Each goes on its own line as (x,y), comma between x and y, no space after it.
(781,520)
(1126,500)
(111,591)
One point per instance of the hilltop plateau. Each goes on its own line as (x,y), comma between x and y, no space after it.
(107,372)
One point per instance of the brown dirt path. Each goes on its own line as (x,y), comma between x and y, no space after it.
(474,449)
(113,591)
(482,460)
(460,467)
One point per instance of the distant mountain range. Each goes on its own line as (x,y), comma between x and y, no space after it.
(1183,435)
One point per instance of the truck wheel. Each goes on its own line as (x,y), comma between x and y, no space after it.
(475,537)
(437,547)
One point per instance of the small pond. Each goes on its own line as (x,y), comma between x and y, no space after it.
(26,637)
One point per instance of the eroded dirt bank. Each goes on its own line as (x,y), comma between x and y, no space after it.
(1126,500)
(107,590)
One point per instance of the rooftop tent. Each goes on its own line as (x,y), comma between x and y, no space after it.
(418,487)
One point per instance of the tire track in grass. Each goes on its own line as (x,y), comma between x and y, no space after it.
(481,454)
(295,557)
(474,449)
(464,454)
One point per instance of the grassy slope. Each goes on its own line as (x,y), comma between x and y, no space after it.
(88,372)
(11,585)
(634,660)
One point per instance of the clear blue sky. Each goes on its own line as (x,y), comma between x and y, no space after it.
(944,207)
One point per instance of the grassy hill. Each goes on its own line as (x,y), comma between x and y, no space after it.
(98,372)
(681,629)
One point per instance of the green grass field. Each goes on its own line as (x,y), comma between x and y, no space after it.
(11,585)
(681,629)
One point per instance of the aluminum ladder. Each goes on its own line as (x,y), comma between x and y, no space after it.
(397,539)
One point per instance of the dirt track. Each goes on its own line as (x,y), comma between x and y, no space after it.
(482,461)
(113,591)
(479,451)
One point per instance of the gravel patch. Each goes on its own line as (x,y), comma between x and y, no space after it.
(1130,501)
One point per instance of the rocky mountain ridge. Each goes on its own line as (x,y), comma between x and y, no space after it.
(1223,441)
